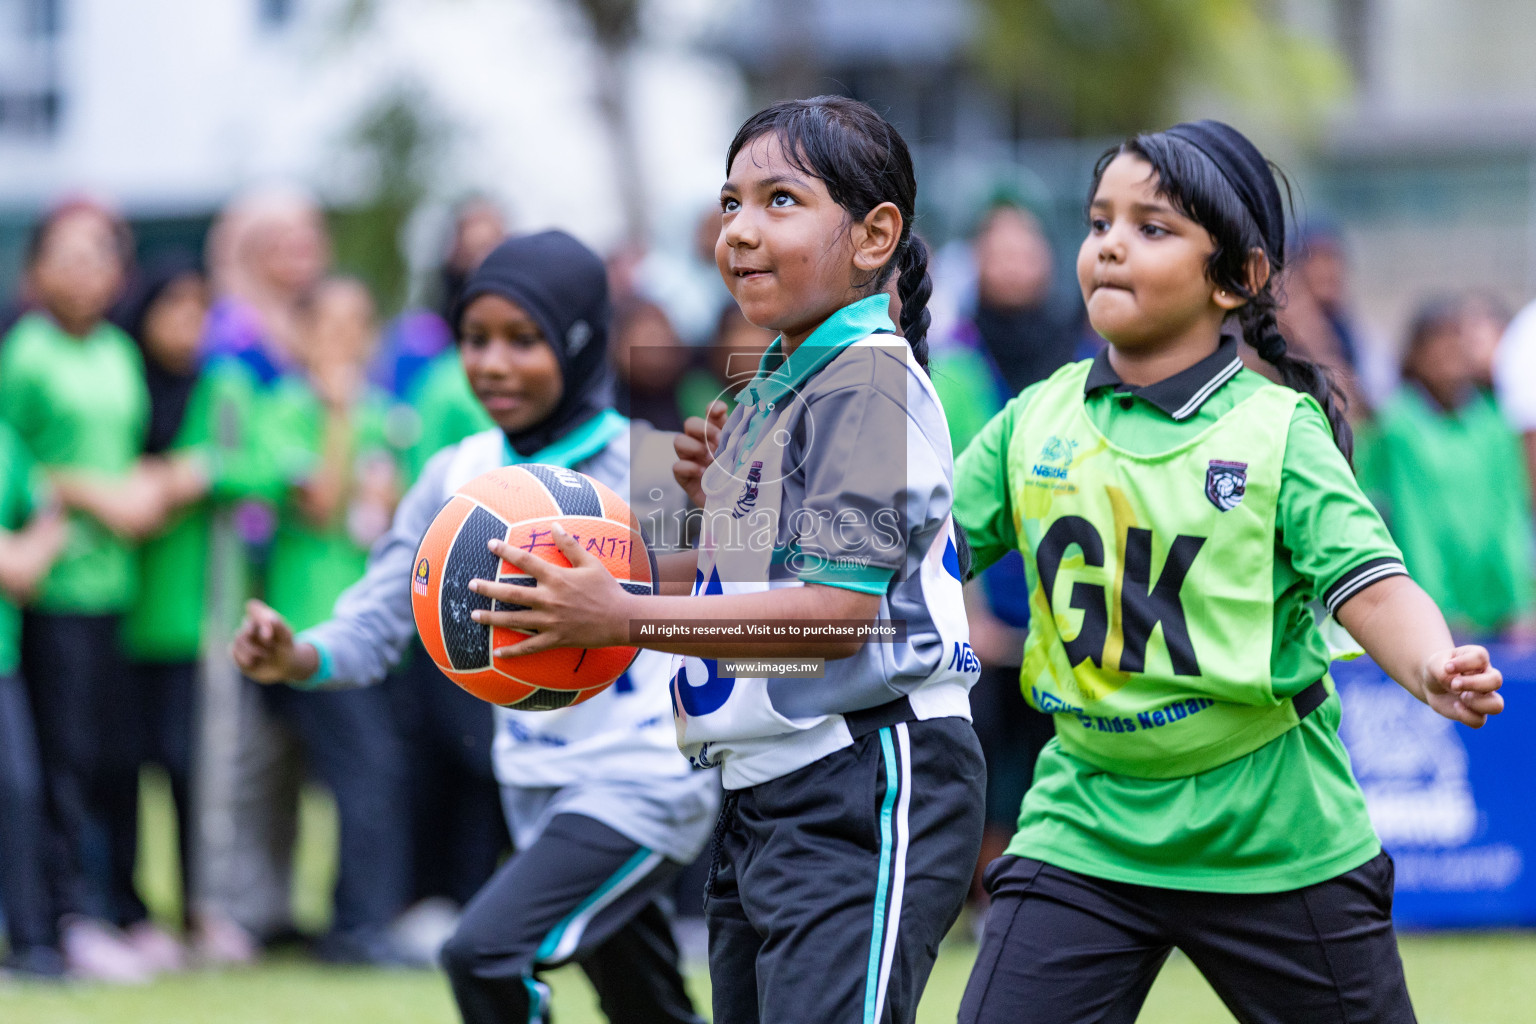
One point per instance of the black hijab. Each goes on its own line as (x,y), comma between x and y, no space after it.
(563,286)
(169,390)
(1246,170)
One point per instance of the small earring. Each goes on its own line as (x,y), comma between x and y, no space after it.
(1222,293)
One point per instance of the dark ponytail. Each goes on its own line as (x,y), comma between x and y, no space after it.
(914,287)
(864,162)
(1261,329)
(1190,179)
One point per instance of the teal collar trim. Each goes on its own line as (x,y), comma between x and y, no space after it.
(777,376)
(577,446)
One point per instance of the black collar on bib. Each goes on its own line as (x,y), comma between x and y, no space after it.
(1181,395)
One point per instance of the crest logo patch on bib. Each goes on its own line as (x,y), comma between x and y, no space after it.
(1225,483)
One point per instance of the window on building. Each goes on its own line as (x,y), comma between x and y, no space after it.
(31,98)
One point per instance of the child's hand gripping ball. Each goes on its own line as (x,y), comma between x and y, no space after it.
(520,505)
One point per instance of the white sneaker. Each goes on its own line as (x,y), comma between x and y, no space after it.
(95,951)
(157,948)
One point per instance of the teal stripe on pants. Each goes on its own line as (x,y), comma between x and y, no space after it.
(876,942)
(552,940)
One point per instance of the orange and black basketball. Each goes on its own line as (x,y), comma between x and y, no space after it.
(520,504)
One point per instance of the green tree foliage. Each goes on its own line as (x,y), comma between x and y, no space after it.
(1118,66)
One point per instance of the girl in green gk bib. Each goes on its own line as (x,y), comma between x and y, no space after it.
(1179,517)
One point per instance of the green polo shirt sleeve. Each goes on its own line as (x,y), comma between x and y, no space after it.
(1333,535)
(23,486)
(982,505)
(21,406)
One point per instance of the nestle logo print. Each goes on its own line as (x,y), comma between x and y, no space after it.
(964,659)
(748,496)
(1226,483)
(1055,457)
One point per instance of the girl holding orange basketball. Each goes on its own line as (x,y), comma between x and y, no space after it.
(854,801)
(603,810)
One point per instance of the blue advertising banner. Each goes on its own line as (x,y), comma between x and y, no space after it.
(1452,805)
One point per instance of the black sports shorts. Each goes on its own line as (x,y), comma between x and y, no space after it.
(1063,948)
(831,887)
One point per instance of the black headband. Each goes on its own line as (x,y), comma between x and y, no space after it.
(1246,170)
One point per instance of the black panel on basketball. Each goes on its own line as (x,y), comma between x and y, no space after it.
(513,581)
(545,700)
(637,588)
(573,492)
(468,643)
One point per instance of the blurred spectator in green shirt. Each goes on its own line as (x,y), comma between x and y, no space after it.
(326,429)
(1445,469)
(200,444)
(72,387)
(426,371)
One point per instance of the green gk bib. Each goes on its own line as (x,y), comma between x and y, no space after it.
(1151,583)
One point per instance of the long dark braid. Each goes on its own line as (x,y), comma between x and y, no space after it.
(1261,329)
(914,287)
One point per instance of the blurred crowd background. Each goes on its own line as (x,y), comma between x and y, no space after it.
(230,235)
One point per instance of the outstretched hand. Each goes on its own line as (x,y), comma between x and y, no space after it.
(696,447)
(1462,685)
(580,606)
(265,650)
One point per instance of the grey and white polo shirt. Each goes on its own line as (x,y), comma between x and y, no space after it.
(835,468)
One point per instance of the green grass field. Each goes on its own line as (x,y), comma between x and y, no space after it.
(1456,978)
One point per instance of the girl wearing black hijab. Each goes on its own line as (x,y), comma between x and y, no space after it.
(197,448)
(603,810)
